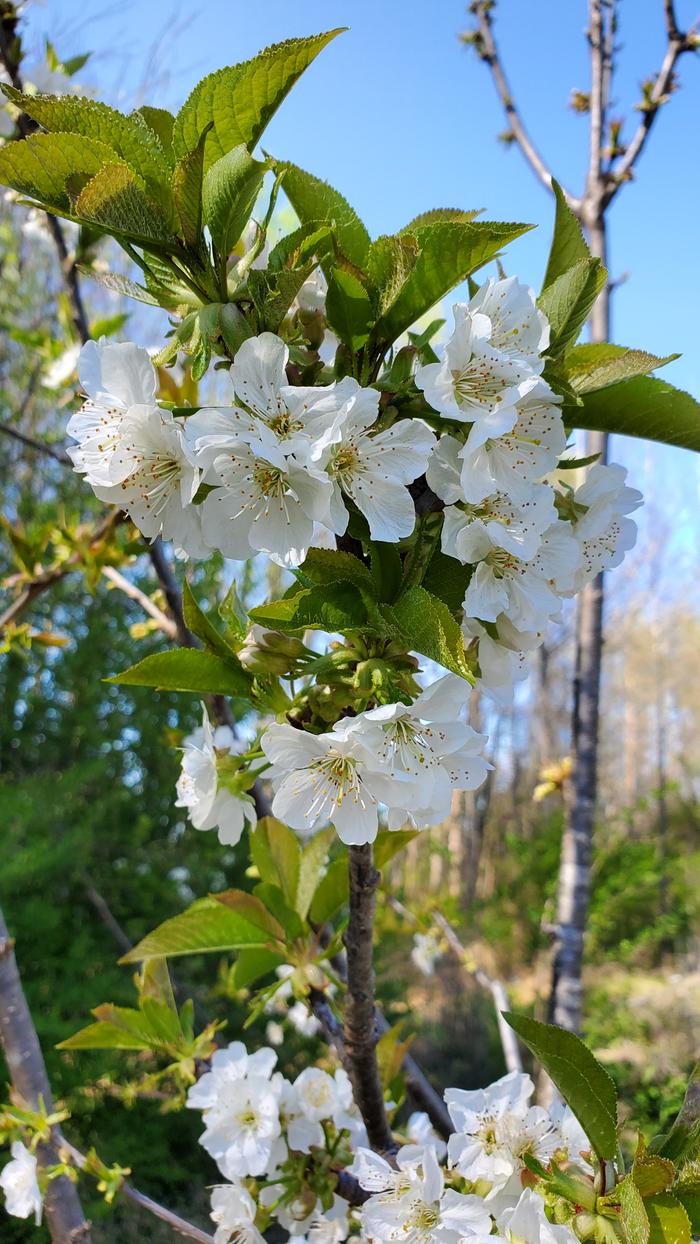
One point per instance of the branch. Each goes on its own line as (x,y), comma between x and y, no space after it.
(487,50)
(58,455)
(165,624)
(600,36)
(678,42)
(360,1027)
(181,1225)
(20,1044)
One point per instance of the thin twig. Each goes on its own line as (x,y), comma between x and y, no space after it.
(25,1062)
(360,1026)
(58,455)
(165,624)
(678,42)
(488,52)
(178,1224)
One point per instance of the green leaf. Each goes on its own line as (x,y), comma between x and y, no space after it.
(633,1214)
(447,579)
(39,166)
(130,138)
(276,853)
(686,1124)
(643,407)
(231,186)
(691,1204)
(331,565)
(595,366)
(652,1174)
(388,843)
(424,623)
(387,570)
(390,263)
(313,859)
(187,180)
(348,308)
(568,301)
(582,1082)
(114,200)
(276,903)
(121,285)
(569,246)
(161,122)
(315,202)
(198,622)
(187,669)
(233,920)
(298,247)
(333,607)
(332,891)
(668,1221)
(119,1028)
(252,964)
(438,214)
(449,251)
(241,100)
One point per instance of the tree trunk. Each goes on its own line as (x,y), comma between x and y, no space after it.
(566,997)
(64,1215)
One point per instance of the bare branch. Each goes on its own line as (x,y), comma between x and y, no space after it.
(487,50)
(25,1061)
(178,1224)
(165,624)
(360,1026)
(58,455)
(678,42)
(601,38)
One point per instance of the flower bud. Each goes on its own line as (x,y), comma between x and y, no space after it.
(269,652)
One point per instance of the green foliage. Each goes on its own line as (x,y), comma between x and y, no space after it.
(644,407)
(569,246)
(40,166)
(238,102)
(314,201)
(188,669)
(113,200)
(568,300)
(231,186)
(582,1082)
(348,308)
(594,366)
(233,920)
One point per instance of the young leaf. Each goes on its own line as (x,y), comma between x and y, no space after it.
(333,607)
(331,892)
(313,858)
(114,200)
(187,669)
(438,214)
(387,570)
(425,624)
(161,122)
(674,1144)
(276,903)
(568,301)
(230,921)
(348,308)
(117,1028)
(129,138)
(389,265)
(230,189)
(252,964)
(276,853)
(241,100)
(643,407)
(569,246)
(668,1220)
(582,1082)
(447,579)
(187,192)
(449,251)
(330,566)
(199,624)
(633,1214)
(315,202)
(594,366)
(39,166)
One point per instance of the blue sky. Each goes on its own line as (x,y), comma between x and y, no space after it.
(400,117)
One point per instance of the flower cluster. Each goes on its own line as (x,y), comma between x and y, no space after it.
(529,541)
(272,1140)
(277,461)
(409,757)
(262,1127)
(202,789)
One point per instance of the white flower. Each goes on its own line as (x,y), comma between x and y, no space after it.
(312,295)
(294,415)
(518,328)
(327,778)
(209,805)
(233,1211)
(62,368)
(263,502)
(274,1033)
(152,474)
(240,1103)
(331,1226)
(500,665)
(410,1203)
(475,382)
(117,377)
(499,521)
(373,468)
(494,1127)
(421,1132)
(314,1099)
(525,591)
(510,462)
(425,746)
(603,531)
(425,953)
(527,1223)
(19,1183)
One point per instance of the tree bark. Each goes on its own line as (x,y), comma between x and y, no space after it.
(64,1214)
(573,896)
